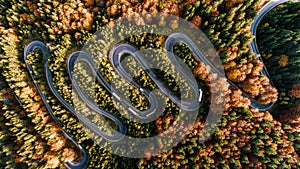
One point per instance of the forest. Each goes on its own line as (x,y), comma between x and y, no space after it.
(245,137)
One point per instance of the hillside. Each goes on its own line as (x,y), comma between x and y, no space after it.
(37,133)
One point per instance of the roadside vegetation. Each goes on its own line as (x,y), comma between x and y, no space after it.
(244,138)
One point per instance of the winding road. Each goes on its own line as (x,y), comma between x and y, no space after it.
(115,58)
(154,106)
